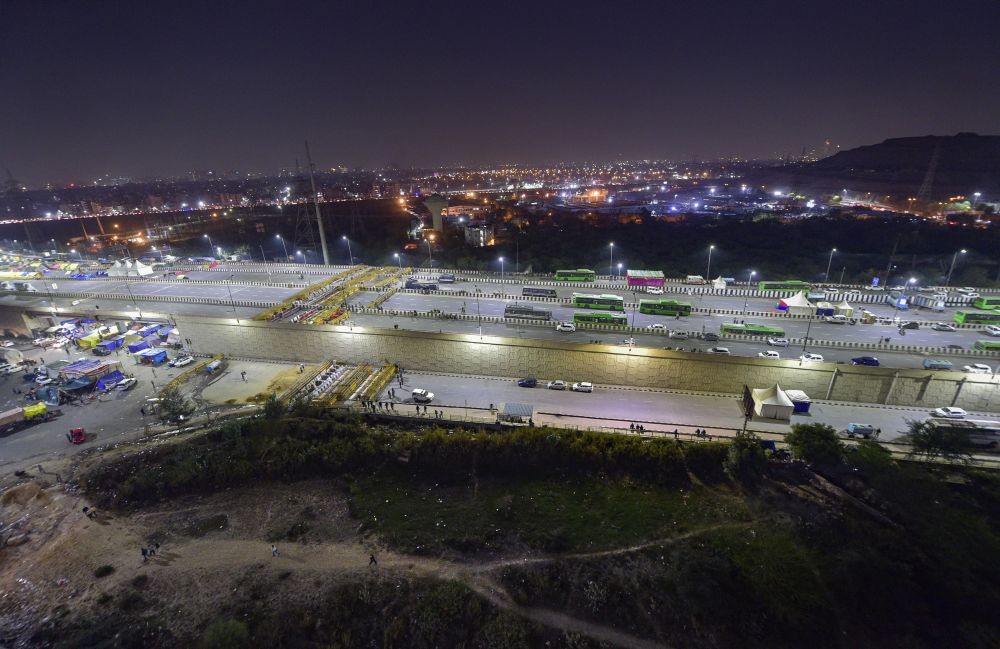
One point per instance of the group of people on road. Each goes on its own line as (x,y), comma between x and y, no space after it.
(637,427)
(376,406)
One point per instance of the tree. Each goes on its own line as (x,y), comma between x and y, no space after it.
(939,439)
(274,408)
(226,634)
(745,459)
(816,444)
(174,406)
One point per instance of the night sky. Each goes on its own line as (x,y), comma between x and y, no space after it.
(142,89)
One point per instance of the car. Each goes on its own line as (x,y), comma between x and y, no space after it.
(777,342)
(40,342)
(44,380)
(972,296)
(77,435)
(719,350)
(870,361)
(864,430)
(658,327)
(528,382)
(949,412)
(770,354)
(422,396)
(127,384)
(966,289)
(566,326)
(181,362)
(629,341)
(978,368)
(583,387)
(812,358)
(7,343)
(556,385)
(910,325)
(60,343)
(835,319)
(992,330)
(654,290)
(678,335)
(941,326)
(710,337)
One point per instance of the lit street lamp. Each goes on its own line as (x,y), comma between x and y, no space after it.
(350,254)
(283,246)
(826,275)
(954,257)
(746,299)
(611,265)
(619,270)
(975,200)
(398,260)
(708,269)
(211,246)
(430,255)
(231,300)
(501,269)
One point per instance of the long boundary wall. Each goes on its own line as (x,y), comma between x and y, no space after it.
(490,355)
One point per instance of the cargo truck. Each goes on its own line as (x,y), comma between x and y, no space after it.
(18,418)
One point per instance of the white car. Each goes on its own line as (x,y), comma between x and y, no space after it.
(678,335)
(770,354)
(44,380)
(992,330)
(40,342)
(950,413)
(583,387)
(813,358)
(556,385)
(835,319)
(941,326)
(777,342)
(7,343)
(978,368)
(658,327)
(566,326)
(972,296)
(60,343)
(127,384)
(422,396)
(719,350)
(654,290)
(182,361)
(629,341)
(966,290)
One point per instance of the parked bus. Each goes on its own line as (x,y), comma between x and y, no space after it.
(982,434)
(977,317)
(665,307)
(532,291)
(578,275)
(602,302)
(525,311)
(987,345)
(989,303)
(753,330)
(786,285)
(601,317)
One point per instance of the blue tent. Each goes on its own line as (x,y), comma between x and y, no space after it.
(154,356)
(148,329)
(138,347)
(108,381)
(78,384)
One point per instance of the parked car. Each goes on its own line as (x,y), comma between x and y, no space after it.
(769,354)
(678,335)
(44,380)
(941,326)
(719,350)
(583,387)
(870,361)
(949,412)
(77,435)
(836,319)
(965,290)
(127,384)
(181,362)
(710,337)
(812,358)
(654,290)
(978,368)
(422,396)
(556,385)
(777,342)
(629,341)
(565,326)
(528,382)
(992,330)
(658,327)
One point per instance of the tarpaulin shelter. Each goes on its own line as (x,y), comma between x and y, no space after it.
(516,412)
(825,308)
(152,356)
(138,346)
(797,305)
(35,410)
(644,278)
(164,330)
(211,367)
(800,400)
(113,343)
(88,341)
(148,330)
(772,403)
(77,384)
(109,381)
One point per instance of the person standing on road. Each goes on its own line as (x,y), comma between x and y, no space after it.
(243,375)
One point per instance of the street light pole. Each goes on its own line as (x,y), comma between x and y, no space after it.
(826,275)
(398,260)
(231,300)
(211,246)
(954,257)
(620,270)
(283,246)
(842,271)
(611,265)
(746,298)
(351,254)
(501,269)
(708,269)
(430,255)
(479,315)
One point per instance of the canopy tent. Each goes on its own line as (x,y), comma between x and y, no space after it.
(88,341)
(148,330)
(718,283)
(800,400)
(517,412)
(109,381)
(152,356)
(796,305)
(112,343)
(138,346)
(824,308)
(772,403)
(128,269)
(845,309)
(174,337)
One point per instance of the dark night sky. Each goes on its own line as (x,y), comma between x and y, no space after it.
(142,88)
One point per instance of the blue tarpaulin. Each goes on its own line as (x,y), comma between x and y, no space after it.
(165,330)
(148,330)
(138,347)
(78,384)
(113,343)
(108,381)
(153,356)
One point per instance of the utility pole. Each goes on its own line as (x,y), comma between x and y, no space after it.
(319,219)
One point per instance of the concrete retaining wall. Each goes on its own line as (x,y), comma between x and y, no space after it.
(468,354)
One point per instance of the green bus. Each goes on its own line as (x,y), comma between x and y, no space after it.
(786,285)
(665,307)
(578,275)
(988,303)
(988,345)
(753,330)
(602,317)
(977,317)
(602,302)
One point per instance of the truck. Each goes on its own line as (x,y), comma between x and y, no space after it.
(933,302)
(18,418)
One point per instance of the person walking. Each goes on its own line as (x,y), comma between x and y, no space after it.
(145,555)
(372,561)
(274,550)
(243,375)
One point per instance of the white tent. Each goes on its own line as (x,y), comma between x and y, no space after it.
(772,403)
(798,305)
(719,283)
(128,269)
(845,309)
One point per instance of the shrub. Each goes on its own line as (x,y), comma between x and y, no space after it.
(226,634)
(705,460)
(745,459)
(816,444)
(104,571)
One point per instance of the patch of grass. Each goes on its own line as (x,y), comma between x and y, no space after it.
(104,598)
(572,514)
(203,526)
(295,532)
(104,571)
(140,581)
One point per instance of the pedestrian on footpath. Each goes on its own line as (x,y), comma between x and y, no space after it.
(372,561)
(274,550)
(243,375)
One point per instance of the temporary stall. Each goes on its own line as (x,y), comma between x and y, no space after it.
(796,305)
(88,341)
(644,278)
(109,381)
(148,330)
(719,283)
(34,410)
(138,346)
(800,400)
(825,308)
(845,309)
(164,330)
(152,356)
(772,403)
(81,383)
(112,343)
(174,337)
(519,413)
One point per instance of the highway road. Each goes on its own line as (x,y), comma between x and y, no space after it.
(40,303)
(172,289)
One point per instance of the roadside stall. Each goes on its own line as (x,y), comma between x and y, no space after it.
(796,305)
(800,400)
(152,356)
(772,403)
(516,413)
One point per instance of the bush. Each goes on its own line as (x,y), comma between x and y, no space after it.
(226,634)
(816,444)
(104,571)
(745,459)
(705,461)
